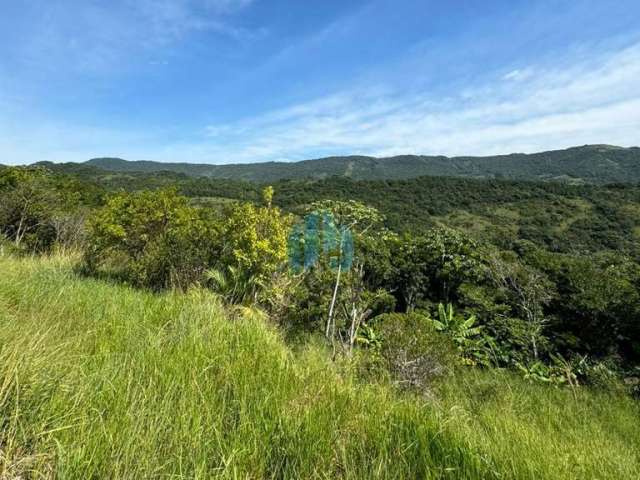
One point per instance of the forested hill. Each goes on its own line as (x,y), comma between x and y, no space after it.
(599,164)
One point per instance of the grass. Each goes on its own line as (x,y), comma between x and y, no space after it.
(99,380)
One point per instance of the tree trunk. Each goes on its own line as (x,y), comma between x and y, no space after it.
(19,232)
(333,302)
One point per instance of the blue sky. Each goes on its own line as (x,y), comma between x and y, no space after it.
(224,81)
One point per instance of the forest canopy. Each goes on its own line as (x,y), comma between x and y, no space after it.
(529,276)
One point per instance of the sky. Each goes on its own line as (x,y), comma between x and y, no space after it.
(236,81)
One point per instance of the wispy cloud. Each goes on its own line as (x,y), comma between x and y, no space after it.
(574,102)
(533,108)
(518,74)
(550,98)
(99,37)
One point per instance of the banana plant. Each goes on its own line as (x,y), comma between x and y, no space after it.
(463,331)
(457,326)
(368,338)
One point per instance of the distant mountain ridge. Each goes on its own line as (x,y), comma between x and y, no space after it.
(587,164)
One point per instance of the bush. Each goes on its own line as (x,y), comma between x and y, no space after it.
(253,251)
(153,239)
(255,238)
(413,352)
(28,202)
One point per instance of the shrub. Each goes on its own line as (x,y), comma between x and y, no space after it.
(414,353)
(28,202)
(253,250)
(153,239)
(255,238)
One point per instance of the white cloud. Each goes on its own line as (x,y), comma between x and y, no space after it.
(518,74)
(588,101)
(591,99)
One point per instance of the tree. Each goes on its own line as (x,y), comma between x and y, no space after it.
(28,202)
(433,266)
(598,302)
(254,246)
(334,285)
(527,290)
(348,222)
(153,239)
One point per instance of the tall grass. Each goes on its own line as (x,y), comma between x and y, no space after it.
(98,380)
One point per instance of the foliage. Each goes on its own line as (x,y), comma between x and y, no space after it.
(548,270)
(254,245)
(527,291)
(412,350)
(560,217)
(352,215)
(153,239)
(335,284)
(28,204)
(598,302)
(465,334)
(432,267)
(99,380)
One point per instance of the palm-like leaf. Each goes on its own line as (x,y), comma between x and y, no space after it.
(217,277)
(439,325)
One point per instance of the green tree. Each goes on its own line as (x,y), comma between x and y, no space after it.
(29,201)
(254,247)
(153,239)
(433,266)
(597,304)
(354,222)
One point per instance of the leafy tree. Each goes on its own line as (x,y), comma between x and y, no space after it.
(597,304)
(355,222)
(254,247)
(433,266)
(352,215)
(153,239)
(28,202)
(334,281)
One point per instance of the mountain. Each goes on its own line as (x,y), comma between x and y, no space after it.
(587,164)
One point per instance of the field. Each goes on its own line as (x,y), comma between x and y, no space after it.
(99,380)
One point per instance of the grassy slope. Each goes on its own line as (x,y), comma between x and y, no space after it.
(102,381)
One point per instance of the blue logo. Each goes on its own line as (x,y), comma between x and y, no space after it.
(318,237)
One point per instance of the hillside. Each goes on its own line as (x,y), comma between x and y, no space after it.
(152,332)
(597,164)
(555,215)
(98,380)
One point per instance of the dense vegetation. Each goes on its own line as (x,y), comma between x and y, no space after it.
(99,380)
(598,164)
(555,216)
(415,296)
